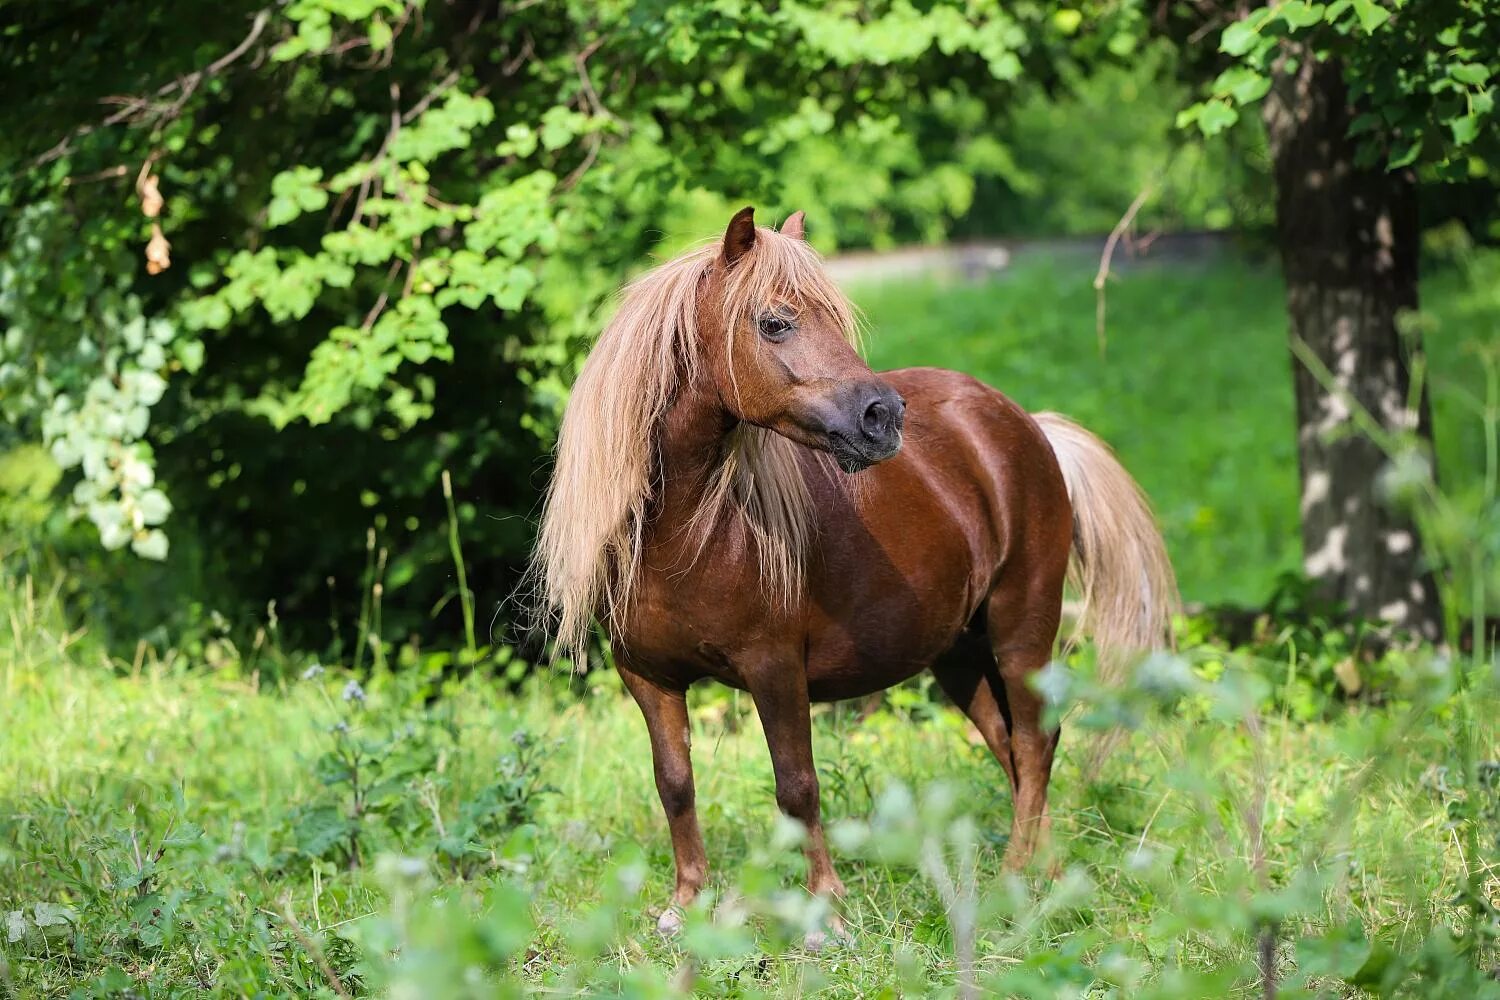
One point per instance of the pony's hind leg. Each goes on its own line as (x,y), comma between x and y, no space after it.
(968,676)
(667,721)
(1032,749)
(1023,632)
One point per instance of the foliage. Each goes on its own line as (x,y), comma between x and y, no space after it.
(1421,74)
(81,358)
(1124,117)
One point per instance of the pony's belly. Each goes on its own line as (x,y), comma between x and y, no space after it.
(832,674)
(847,656)
(839,681)
(859,653)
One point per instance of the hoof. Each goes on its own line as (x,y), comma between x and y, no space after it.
(831,937)
(670,922)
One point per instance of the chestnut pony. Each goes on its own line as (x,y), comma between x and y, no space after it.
(738,497)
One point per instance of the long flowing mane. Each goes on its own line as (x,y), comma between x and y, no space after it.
(596,513)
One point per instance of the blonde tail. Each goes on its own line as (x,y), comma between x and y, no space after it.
(1119,569)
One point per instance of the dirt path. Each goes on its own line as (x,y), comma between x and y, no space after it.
(978,260)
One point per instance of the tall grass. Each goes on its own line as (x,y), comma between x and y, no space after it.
(160,820)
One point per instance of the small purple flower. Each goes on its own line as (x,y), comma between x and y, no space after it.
(353,692)
(314,671)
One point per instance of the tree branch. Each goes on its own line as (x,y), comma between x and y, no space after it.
(184,87)
(415,110)
(1108,255)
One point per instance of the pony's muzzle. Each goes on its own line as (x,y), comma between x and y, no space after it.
(870,430)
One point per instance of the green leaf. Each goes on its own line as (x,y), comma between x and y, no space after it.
(1243,84)
(281,211)
(1216,116)
(317,34)
(1464,129)
(380,35)
(1067,20)
(1404,153)
(1300,14)
(1189,115)
(1370,14)
(1239,38)
(294,192)
(319,830)
(1372,974)
(520,141)
(1471,73)
(1338,953)
(559,126)
(289,50)
(190,353)
(1007,66)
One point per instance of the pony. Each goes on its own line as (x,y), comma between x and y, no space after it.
(738,497)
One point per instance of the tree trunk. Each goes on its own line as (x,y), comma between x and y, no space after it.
(1349,244)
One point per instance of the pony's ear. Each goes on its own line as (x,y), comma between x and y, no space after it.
(740,236)
(793,226)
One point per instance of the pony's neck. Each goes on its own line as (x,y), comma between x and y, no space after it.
(690,449)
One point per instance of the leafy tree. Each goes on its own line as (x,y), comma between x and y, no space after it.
(1360,101)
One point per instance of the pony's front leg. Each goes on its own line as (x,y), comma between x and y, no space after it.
(780,695)
(667,721)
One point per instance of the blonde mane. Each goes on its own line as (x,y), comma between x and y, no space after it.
(596,512)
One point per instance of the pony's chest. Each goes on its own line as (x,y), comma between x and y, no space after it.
(702,614)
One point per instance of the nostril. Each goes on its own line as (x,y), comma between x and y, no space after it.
(877,419)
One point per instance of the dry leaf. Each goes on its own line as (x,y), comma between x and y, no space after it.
(151,200)
(158,257)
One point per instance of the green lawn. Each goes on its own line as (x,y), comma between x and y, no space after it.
(1193,388)
(177,831)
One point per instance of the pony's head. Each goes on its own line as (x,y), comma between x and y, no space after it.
(777,338)
(750,323)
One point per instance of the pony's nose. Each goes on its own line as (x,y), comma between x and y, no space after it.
(882,416)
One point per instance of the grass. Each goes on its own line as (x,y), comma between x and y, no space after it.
(168,809)
(1193,387)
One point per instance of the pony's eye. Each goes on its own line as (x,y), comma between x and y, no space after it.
(774,327)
